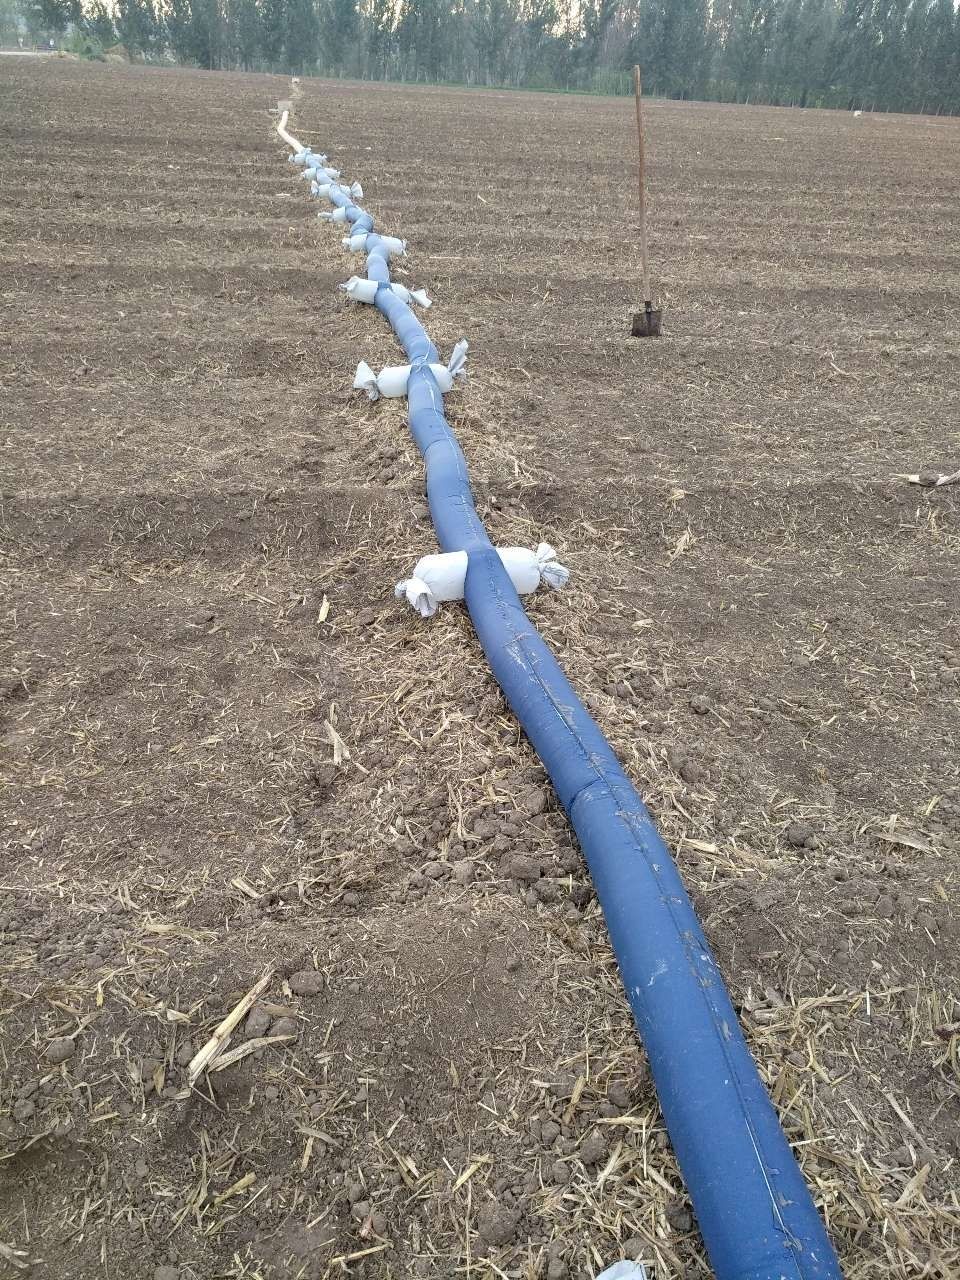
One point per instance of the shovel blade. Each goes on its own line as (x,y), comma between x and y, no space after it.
(646,324)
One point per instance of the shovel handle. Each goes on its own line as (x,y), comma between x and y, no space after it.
(643,201)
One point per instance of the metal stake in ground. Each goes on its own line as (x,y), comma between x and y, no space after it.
(646,323)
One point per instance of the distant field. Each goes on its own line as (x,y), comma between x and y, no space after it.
(201,528)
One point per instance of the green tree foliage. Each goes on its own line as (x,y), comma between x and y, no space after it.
(273,28)
(97,23)
(339,35)
(10,22)
(178,24)
(139,27)
(47,18)
(244,34)
(301,36)
(897,55)
(939,62)
(672,43)
(207,34)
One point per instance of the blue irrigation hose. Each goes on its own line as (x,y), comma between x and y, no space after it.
(753,1207)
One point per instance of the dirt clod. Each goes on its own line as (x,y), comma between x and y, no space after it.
(691,772)
(534,800)
(619,1095)
(497,1223)
(679,1216)
(307,982)
(522,867)
(23,1110)
(798,833)
(594,1148)
(257,1023)
(61,1049)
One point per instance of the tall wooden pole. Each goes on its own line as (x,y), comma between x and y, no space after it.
(647,299)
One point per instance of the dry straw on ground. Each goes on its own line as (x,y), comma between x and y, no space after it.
(227,750)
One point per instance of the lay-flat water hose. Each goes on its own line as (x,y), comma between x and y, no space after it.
(753,1207)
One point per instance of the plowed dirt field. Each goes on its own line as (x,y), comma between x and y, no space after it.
(229,753)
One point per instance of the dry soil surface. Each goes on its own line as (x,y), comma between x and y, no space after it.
(228,754)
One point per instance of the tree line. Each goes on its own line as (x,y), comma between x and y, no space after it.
(892,55)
